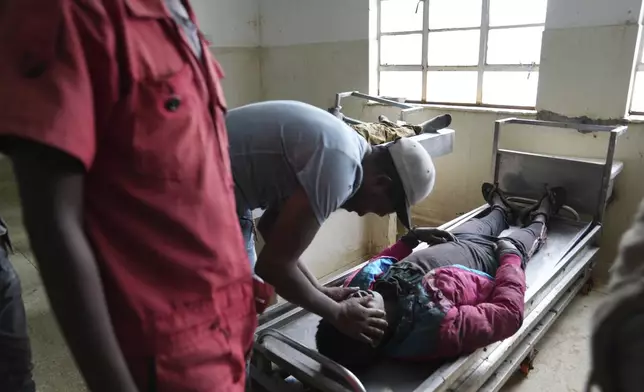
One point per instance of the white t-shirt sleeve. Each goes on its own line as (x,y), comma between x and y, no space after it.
(329,179)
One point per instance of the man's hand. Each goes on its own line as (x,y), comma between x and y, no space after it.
(431,236)
(359,322)
(338,293)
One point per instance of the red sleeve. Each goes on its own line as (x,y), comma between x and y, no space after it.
(398,251)
(48,95)
(467,328)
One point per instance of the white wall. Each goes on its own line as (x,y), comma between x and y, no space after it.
(229,23)
(587,57)
(296,22)
(591,13)
(309,50)
(232,27)
(588,54)
(312,49)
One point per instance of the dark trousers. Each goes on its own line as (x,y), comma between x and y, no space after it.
(15,350)
(475,247)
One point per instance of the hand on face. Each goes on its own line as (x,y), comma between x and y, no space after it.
(358,321)
(338,293)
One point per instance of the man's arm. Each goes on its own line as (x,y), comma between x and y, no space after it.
(467,328)
(265,225)
(51,190)
(293,230)
(287,232)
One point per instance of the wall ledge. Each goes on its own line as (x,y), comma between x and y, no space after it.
(469,109)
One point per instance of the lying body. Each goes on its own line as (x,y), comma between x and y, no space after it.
(451,298)
(386,131)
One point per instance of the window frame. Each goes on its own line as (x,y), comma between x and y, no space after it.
(639,67)
(480,68)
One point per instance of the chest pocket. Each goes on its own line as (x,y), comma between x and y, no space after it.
(167,124)
(166,111)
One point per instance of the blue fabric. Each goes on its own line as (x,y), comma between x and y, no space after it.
(418,332)
(477,272)
(15,349)
(370,272)
(419,319)
(248,233)
(277,146)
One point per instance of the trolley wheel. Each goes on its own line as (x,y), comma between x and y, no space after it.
(528,362)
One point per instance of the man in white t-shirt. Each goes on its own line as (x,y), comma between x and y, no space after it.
(300,163)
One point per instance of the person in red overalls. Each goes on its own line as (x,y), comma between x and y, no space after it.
(113,116)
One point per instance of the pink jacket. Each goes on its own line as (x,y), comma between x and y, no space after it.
(476,309)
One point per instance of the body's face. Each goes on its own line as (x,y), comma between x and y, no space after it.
(378,302)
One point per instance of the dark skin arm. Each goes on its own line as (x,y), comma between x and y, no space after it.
(51,189)
(291,232)
(264,227)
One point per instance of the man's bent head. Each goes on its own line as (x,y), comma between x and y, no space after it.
(395,176)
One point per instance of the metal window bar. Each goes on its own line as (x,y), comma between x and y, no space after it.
(447,29)
(639,67)
(495,67)
(485,26)
(480,68)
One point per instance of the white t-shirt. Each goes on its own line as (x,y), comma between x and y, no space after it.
(276,146)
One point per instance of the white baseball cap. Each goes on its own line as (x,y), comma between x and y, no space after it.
(417,175)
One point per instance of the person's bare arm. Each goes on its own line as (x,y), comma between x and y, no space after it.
(293,229)
(265,225)
(287,233)
(51,189)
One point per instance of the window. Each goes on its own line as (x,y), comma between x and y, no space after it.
(471,52)
(637,101)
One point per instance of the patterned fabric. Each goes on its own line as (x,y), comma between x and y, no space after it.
(385,131)
(447,311)
(365,277)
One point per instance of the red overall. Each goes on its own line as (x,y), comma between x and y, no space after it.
(114,84)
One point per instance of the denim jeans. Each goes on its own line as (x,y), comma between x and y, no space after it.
(248,233)
(15,350)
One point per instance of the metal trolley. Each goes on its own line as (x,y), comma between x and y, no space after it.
(284,356)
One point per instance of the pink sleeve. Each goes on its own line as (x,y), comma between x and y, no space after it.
(398,251)
(467,328)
